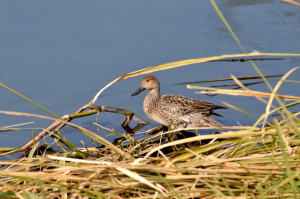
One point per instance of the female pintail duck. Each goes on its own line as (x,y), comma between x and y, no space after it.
(176,110)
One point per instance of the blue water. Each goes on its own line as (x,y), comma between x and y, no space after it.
(61,53)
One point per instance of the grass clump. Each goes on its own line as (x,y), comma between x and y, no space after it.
(259,163)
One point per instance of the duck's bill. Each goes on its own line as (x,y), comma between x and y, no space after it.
(138,91)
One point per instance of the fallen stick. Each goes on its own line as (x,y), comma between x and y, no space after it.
(58,125)
(125,112)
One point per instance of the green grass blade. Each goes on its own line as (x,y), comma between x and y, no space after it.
(292,81)
(286,161)
(239,43)
(29,100)
(168,185)
(217,192)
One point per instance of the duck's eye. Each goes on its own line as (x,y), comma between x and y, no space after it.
(148,80)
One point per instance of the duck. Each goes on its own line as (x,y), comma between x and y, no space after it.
(176,111)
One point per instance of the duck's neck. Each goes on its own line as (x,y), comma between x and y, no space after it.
(152,97)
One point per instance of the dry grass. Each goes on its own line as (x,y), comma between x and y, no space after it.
(249,164)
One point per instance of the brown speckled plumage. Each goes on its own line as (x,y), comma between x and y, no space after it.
(177,110)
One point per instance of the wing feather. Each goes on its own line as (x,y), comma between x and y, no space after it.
(177,104)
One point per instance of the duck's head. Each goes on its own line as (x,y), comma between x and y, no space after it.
(147,83)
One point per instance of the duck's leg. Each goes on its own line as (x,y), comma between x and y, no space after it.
(127,120)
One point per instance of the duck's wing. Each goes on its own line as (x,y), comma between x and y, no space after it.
(184,105)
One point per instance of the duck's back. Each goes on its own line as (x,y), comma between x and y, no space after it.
(184,112)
